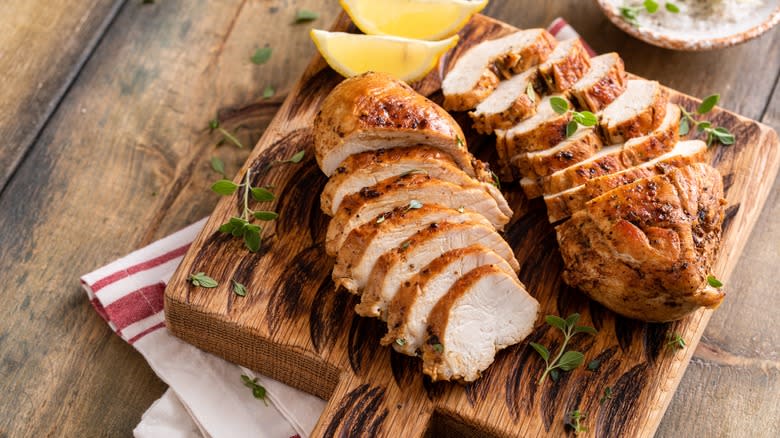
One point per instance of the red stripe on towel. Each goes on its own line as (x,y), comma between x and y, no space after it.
(136,305)
(143,266)
(135,338)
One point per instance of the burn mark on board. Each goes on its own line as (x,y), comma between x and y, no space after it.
(330,312)
(527,368)
(728,216)
(405,368)
(358,413)
(363,342)
(624,403)
(655,338)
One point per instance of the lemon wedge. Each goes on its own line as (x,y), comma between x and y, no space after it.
(403,58)
(421,19)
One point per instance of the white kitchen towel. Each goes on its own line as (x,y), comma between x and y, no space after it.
(128,294)
(206,395)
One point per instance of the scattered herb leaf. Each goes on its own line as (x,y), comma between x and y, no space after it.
(594,365)
(676,341)
(563,360)
(200,279)
(261,194)
(305,15)
(607,395)
(295,159)
(583,118)
(239,289)
(559,104)
(671,7)
(224,187)
(708,104)
(400,341)
(414,205)
(575,421)
(261,55)
(714,282)
(651,6)
(266,215)
(496,181)
(438,348)
(258,391)
(714,133)
(461,144)
(218,165)
(268,92)
(571,128)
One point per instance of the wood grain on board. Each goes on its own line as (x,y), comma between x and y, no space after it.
(123,160)
(296,327)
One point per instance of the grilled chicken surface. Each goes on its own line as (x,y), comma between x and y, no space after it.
(580,172)
(645,249)
(411,206)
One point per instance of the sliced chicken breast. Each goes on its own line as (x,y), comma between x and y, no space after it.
(513,100)
(580,146)
(563,204)
(615,158)
(396,268)
(639,110)
(374,111)
(543,130)
(369,168)
(644,250)
(407,313)
(410,191)
(477,72)
(566,65)
(366,244)
(484,311)
(602,84)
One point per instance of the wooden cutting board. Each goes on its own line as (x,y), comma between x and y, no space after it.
(295,327)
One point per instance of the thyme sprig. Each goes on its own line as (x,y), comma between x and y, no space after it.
(714,133)
(579,118)
(563,360)
(258,390)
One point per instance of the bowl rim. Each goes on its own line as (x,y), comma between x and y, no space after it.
(658,38)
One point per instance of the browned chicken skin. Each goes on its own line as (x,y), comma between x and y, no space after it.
(645,249)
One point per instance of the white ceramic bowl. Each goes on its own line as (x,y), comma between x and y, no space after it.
(766,15)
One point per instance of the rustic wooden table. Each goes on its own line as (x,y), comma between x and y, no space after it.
(104,116)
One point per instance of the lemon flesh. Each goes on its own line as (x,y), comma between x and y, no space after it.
(421,19)
(403,58)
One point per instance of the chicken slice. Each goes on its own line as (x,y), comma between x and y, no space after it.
(409,191)
(543,130)
(407,313)
(484,311)
(369,168)
(477,71)
(615,158)
(368,242)
(374,111)
(580,146)
(512,101)
(396,268)
(566,65)
(602,84)
(563,204)
(639,110)
(644,250)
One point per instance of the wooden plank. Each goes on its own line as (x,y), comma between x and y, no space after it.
(64,373)
(43,48)
(123,161)
(277,327)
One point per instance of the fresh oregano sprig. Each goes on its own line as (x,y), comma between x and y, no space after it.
(631,13)
(258,390)
(563,360)
(714,133)
(574,421)
(584,118)
(200,279)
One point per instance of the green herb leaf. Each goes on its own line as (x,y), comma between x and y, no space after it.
(232,138)
(651,6)
(708,103)
(630,15)
(413,172)
(496,181)
(218,165)
(268,92)
(258,391)
(724,136)
(304,15)
(571,128)
(226,227)
(555,375)
(559,104)
(297,157)
(542,350)
(405,244)
(684,127)
(266,215)
(671,7)
(261,56)
(586,118)
(574,421)
(607,395)
(224,187)
(202,280)
(380,219)
(702,126)
(213,124)
(400,341)
(461,144)
(239,289)
(585,329)
(556,321)
(572,319)
(594,365)
(714,282)
(571,360)
(676,341)
(438,348)
(252,239)
(262,195)
(414,204)
(530,92)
